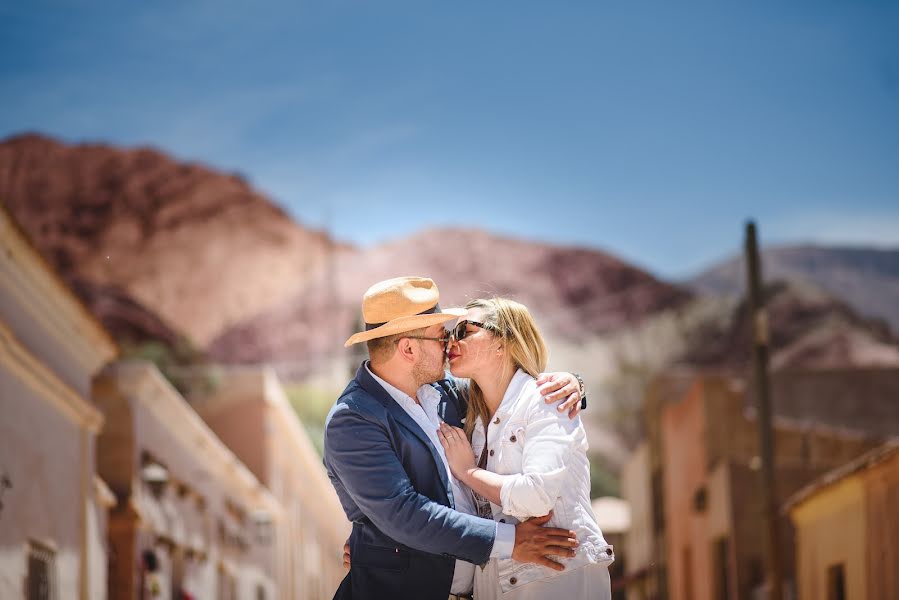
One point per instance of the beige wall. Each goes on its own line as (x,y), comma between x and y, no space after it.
(43,503)
(830,529)
(635,489)
(882,507)
(49,349)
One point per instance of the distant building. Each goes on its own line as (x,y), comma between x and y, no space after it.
(847,529)
(699,472)
(248,410)
(111,485)
(190,518)
(642,574)
(52,504)
(613,515)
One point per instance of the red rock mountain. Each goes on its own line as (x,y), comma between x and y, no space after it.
(575,293)
(199,248)
(160,249)
(866,278)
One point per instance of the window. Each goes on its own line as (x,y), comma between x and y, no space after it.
(41,572)
(836,582)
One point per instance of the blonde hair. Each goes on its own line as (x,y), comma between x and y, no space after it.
(513,325)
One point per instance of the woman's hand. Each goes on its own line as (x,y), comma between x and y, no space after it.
(458,450)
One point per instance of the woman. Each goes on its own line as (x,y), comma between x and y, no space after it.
(525,459)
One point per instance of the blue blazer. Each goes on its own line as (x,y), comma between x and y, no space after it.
(395,490)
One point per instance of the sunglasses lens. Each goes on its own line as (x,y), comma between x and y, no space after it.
(459,332)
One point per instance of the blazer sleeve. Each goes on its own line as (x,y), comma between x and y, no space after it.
(359,451)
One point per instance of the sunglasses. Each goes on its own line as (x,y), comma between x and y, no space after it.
(461,329)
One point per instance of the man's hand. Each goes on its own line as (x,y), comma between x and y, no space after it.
(561,387)
(346,555)
(535,543)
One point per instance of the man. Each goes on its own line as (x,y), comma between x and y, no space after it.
(387,464)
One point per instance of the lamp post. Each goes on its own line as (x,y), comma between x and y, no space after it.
(758,318)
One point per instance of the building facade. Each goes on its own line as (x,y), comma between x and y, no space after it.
(847,530)
(248,410)
(700,467)
(52,504)
(191,520)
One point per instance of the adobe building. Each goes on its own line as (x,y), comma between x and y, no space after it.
(53,514)
(190,518)
(699,470)
(642,543)
(847,529)
(249,411)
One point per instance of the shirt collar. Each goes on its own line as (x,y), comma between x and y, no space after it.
(513,391)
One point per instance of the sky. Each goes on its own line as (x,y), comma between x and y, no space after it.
(652,130)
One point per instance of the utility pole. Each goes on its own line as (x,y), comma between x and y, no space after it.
(760,352)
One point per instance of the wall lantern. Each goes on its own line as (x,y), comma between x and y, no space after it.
(156,476)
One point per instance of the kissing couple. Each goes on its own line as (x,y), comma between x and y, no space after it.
(474,485)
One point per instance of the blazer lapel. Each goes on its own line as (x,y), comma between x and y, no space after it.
(452,406)
(368,383)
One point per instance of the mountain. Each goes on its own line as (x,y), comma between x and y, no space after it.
(198,247)
(808,329)
(574,293)
(171,251)
(867,279)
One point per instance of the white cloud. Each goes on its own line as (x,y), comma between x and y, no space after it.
(857,229)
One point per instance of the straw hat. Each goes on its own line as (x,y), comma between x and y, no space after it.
(401,304)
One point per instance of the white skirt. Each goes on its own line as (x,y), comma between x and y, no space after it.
(588,582)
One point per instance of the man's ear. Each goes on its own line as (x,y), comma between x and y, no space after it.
(407,350)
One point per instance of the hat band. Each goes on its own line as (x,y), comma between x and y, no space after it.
(433,309)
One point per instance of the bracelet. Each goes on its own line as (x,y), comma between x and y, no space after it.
(581,390)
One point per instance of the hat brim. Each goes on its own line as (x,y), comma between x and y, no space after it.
(403,324)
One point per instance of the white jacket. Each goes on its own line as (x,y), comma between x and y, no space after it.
(545,454)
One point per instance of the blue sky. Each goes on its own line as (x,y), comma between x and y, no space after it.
(652,130)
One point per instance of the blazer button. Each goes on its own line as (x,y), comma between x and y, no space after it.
(513,581)
(491,453)
(496,421)
(513,439)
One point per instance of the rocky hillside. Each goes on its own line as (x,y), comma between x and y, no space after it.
(171,251)
(575,293)
(867,279)
(199,247)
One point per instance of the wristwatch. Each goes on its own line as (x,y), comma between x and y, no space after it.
(581,390)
